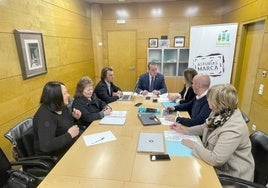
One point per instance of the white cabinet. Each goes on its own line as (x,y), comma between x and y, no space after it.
(170,61)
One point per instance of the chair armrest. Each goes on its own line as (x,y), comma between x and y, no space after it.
(31,163)
(52,159)
(227,180)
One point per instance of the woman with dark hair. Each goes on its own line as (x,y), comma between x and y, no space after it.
(225,137)
(91,107)
(187,92)
(53,123)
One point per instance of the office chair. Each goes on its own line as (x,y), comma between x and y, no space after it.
(10,178)
(259,141)
(22,138)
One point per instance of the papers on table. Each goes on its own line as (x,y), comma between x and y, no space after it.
(115,118)
(165,122)
(99,138)
(174,145)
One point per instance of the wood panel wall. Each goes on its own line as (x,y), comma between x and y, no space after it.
(247,11)
(174,21)
(66,29)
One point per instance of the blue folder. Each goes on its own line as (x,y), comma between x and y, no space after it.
(167,104)
(175,148)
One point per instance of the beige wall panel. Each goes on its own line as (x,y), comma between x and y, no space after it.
(141,66)
(261,99)
(264,54)
(142,45)
(9,62)
(205,20)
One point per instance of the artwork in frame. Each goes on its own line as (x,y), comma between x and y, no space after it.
(153,42)
(31,52)
(179,41)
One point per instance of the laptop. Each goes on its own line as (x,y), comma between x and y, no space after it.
(127,96)
(151,143)
(148,119)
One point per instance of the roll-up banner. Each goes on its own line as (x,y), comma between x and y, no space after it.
(212,50)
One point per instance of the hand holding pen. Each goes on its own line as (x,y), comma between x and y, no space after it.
(107,110)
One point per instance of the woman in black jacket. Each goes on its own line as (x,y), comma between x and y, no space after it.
(91,107)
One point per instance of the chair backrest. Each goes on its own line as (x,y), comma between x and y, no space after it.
(15,136)
(4,167)
(259,141)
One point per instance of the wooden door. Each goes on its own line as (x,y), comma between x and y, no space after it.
(122,57)
(251,55)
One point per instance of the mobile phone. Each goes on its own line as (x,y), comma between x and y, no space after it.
(147,97)
(160,157)
(154,100)
(138,104)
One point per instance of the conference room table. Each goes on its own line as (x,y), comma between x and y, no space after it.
(117,164)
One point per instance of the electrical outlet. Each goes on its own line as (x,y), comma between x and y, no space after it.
(254,127)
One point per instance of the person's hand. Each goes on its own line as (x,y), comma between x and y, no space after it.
(172,97)
(189,143)
(73,131)
(76,113)
(179,128)
(119,93)
(144,92)
(170,108)
(107,111)
(170,118)
(155,92)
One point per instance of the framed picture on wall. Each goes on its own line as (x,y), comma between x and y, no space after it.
(153,42)
(179,41)
(31,52)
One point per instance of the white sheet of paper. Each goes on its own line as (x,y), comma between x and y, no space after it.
(118,114)
(99,138)
(175,136)
(165,122)
(108,120)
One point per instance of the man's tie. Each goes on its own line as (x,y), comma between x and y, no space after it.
(151,87)
(109,90)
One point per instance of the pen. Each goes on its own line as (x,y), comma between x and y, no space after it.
(98,140)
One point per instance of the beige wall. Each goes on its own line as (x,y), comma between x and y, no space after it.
(247,11)
(66,29)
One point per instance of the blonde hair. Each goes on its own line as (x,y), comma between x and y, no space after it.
(223,96)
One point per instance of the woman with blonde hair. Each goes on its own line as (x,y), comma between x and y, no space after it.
(225,136)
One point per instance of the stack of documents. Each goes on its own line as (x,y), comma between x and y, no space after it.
(174,145)
(115,118)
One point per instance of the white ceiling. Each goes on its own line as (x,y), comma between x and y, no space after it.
(125,1)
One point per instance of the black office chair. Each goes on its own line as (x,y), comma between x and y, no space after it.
(259,150)
(22,138)
(10,178)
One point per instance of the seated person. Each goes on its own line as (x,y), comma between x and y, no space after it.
(226,144)
(197,108)
(91,107)
(53,124)
(187,92)
(152,81)
(105,89)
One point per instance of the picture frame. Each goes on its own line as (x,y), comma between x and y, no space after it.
(153,42)
(164,43)
(31,52)
(179,41)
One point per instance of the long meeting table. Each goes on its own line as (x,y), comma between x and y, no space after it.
(117,164)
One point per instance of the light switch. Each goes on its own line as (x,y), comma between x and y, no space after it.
(261,88)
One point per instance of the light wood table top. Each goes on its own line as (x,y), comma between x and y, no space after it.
(117,164)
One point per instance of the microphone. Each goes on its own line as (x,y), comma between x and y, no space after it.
(136,85)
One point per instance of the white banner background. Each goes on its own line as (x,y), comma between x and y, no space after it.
(212,50)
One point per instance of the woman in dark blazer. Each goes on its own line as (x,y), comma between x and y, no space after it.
(187,93)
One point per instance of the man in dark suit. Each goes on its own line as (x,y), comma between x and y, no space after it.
(152,81)
(105,89)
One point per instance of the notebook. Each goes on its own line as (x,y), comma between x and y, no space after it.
(127,96)
(149,119)
(151,142)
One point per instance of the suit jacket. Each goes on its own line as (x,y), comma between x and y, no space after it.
(197,109)
(102,92)
(189,95)
(159,83)
(227,148)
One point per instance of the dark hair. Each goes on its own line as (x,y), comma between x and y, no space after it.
(189,74)
(52,96)
(104,72)
(81,85)
(151,63)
